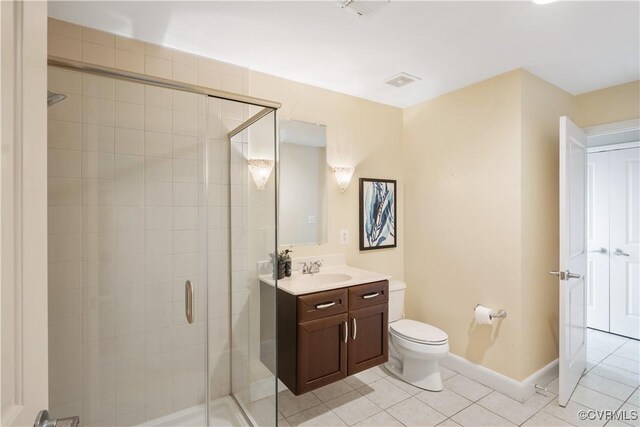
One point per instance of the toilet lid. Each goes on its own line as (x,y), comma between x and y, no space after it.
(418,331)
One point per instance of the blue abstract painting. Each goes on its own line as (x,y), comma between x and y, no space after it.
(377,213)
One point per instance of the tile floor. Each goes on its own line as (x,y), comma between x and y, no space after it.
(375,398)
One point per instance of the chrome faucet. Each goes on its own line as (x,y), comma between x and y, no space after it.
(311,267)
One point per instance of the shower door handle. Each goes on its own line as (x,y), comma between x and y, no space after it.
(188,301)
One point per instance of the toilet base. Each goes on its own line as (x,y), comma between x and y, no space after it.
(421,373)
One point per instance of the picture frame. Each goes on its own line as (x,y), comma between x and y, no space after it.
(378,214)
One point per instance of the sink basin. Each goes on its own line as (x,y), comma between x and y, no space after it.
(317,279)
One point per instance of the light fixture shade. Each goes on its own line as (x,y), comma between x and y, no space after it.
(343,177)
(260,171)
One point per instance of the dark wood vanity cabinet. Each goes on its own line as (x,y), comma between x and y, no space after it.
(325,336)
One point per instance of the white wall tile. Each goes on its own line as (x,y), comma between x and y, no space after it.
(65,303)
(98,138)
(132,45)
(158,119)
(98,219)
(99,37)
(97,86)
(128,167)
(129,61)
(64,47)
(64,135)
(158,169)
(97,110)
(158,67)
(98,54)
(130,116)
(158,144)
(129,141)
(64,163)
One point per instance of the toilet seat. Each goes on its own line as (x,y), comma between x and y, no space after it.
(418,332)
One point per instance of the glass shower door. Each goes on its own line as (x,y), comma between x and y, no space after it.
(253,180)
(127,252)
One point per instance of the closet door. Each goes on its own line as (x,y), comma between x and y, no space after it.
(598,241)
(625,242)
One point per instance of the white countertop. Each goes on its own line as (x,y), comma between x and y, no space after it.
(300,284)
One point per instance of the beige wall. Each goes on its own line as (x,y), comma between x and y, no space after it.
(360,133)
(542,105)
(481,201)
(612,104)
(462,205)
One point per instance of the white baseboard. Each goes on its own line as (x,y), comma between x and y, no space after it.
(517,390)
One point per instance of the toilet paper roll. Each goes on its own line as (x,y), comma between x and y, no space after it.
(483,315)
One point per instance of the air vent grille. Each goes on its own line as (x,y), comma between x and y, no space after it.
(401,80)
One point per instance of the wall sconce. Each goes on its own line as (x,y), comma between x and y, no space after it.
(260,171)
(343,177)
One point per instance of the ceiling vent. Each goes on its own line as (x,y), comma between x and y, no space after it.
(401,80)
(361,7)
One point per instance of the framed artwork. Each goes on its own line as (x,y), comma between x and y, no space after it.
(377,214)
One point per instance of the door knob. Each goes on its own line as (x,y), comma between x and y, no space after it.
(620,252)
(565,275)
(600,251)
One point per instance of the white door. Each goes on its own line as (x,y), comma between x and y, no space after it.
(625,242)
(573,257)
(598,241)
(23,212)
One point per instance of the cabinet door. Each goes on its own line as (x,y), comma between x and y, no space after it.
(322,352)
(368,341)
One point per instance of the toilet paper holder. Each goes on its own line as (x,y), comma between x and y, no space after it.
(501,314)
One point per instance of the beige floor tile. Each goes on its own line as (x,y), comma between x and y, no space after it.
(623,363)
(409,388)
(569,413)
(466,387)
(594,399)
(445,401)
(543,419)
(617,374)
(319,415)
(290,404)
(476,415)
(448,423)
(332,391)
(507,407)
(413,412)
(381,419)
(630,350)
(383,393)
(363,378)
(606,386)
(540,399)
(634,399)
(353,407)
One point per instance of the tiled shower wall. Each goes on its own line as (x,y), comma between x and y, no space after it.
(126,208)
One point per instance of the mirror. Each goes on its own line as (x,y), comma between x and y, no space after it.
(303,183)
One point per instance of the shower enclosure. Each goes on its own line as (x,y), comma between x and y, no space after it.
(157,236)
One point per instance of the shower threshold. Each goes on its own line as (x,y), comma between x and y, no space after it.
(222,412)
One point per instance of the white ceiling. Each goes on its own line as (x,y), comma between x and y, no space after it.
(578,46)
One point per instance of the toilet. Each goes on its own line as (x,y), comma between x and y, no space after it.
(415,348)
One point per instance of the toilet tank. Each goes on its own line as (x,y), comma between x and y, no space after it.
(396,300)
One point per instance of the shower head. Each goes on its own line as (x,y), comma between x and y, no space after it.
(54,98)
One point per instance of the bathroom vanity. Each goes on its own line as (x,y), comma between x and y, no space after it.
(329,325)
